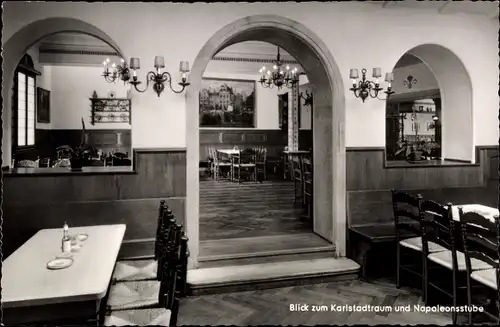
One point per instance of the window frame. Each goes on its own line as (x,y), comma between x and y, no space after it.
(15,119)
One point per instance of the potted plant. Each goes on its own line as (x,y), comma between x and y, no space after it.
(79,156)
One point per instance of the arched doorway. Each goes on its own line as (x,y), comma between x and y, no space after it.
(17,45)
(329,117)
(454,99)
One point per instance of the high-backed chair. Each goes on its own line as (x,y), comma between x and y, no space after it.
(220,164)
(409,251)
(261,162)
(245,161)
(146,268)
(298,179)
(308,186)
(481,239)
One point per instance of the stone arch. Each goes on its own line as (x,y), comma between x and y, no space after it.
(17,45)
(456,91)
(329,118)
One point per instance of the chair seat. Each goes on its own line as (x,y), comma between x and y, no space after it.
(135,270)
(415,243)
(486,277)
(131,295)
(143,317)
(444,258)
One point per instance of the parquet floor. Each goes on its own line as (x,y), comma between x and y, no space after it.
(272,306)
(251,209)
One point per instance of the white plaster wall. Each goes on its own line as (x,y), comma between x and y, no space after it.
(178,31)
(424,76)
(71,89)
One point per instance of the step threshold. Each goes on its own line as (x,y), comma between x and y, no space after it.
(212,277)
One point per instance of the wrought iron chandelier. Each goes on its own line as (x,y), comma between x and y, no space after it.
(364,88)
(121,72)
(157,78)
(278,76)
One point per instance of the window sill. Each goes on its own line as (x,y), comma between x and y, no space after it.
(427,164)
(86,171)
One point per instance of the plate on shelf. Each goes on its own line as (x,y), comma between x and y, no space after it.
(59,263)
(111,94)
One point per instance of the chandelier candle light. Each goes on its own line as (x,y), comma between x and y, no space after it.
(157,77)
(121,71)
(364,88)
(278,77)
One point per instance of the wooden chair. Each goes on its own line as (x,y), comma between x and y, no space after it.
(261,162)
(211,161)
(298,179)
(148,294)
(244,162)
(481,239)
(409,251)
(219,164)
(146,268)
(438,228)
(308,186)
(164,310)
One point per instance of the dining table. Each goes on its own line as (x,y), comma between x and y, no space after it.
(31,292)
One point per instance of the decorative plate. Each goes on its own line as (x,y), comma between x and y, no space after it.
(59,263)
(111,94)
(82,237)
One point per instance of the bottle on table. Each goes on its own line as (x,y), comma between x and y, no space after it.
(66,241)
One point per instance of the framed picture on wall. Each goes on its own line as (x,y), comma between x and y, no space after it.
(227,103)
(42,105)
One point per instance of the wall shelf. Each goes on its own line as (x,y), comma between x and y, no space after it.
(110,110)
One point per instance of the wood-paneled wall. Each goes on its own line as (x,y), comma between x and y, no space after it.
(47,140)
(273,140)
(32,203)
(366,171)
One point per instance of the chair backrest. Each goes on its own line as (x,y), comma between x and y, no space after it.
(260,154)
(406,209)
(245,156)
(308,168)
(159,228)
(438,227)
(169,269)
(480,237)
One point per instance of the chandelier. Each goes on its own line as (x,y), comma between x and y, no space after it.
(157,78)
(364,88)
(117,72)
(277,76)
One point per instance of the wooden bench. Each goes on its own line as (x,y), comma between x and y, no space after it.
(370,219)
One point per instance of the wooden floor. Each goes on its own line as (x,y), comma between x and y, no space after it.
(251,209)
(272,306)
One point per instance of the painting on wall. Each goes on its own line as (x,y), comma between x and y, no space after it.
(227,103)
(42,105)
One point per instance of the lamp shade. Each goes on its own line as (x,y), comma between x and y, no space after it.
(135,63)
(377,72)
(354,74)
(159,62)
(184,67)
(389,77)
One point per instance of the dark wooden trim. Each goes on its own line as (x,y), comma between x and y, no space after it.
(126,170)
(364,149)
(457,160)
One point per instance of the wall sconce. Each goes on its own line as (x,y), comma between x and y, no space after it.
(118,72)
(158,78)
(410,80)
(308,98)
(365,88)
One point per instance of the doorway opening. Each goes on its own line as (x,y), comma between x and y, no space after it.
(328,148)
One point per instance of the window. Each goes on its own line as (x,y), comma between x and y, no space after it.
(23,106)
(25,109)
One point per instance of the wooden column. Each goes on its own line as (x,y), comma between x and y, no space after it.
(293,118)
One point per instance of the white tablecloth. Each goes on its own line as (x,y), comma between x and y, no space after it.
(488,212)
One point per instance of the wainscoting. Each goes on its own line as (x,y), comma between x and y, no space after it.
(32,203)
(366,171)
(47,140)
(273,140)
